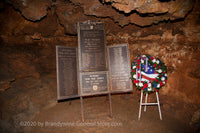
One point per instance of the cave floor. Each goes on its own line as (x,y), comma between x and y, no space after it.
(30,106)
(176,116)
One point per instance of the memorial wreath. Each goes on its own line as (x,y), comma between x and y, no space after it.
(148,73)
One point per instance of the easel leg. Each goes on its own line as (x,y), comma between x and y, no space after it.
(110,104)
(145,107)
(82,115)
(140,105)
(158,106)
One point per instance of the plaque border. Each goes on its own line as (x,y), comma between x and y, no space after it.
(92,94)
(57,74)
(129,69)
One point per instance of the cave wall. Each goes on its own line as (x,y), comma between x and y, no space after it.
(30,30)
(28,38)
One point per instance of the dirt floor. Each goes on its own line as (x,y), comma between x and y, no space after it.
(66,117)
(30,106)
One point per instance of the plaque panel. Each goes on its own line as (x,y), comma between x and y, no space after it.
(119,68)
(92,83)
(91,43)
(66,62)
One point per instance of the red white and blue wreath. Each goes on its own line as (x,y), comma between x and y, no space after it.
(148,73)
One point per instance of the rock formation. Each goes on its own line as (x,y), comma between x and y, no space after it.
(123,12)
(30,30)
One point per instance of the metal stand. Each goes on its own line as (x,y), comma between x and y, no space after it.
(145,104)
(82,112)
(110,104)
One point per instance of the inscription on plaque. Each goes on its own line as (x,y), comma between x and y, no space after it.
(119,68)
(66,61)
(92,83)
(92,52)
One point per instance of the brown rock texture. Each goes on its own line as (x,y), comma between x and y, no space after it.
(30,31)
(32,9)
(26,45)
(176,8)
(138,12)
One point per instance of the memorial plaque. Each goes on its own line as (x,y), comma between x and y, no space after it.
(119,68)
(91,43)
(67,85)
(92,83)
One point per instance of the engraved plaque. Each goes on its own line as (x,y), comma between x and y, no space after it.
(91,42)
(92,83)
(67,85)
(119,68)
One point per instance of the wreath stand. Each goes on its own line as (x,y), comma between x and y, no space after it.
(145,104)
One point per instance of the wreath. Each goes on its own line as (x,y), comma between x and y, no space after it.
(148,73)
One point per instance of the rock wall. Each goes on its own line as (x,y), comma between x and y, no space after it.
(30,30)
(28,37)
(123,12)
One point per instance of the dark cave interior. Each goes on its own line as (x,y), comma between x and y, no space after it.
(31,30)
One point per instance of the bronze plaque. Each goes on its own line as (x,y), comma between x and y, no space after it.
(92,83)
(67,85)
(91,42)
(119,68)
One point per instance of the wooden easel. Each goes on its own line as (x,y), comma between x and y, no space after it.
(145,104)
(82,111)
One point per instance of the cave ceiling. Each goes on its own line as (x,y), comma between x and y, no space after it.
(122,12)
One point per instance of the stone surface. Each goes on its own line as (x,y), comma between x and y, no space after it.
(32,9)
(27,47)
(138,12)
(69,15)
(196,119)
(4,85)
(176,8)
(27,54)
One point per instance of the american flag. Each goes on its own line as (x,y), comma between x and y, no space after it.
(148,74)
